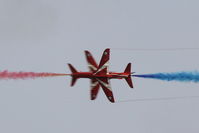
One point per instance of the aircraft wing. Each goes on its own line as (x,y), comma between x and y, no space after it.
(105,84)
(94,89)
(104,63)
(92,65)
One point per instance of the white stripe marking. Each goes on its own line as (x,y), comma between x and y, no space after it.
(94,84)
(106,65)
(90,66)
(105,84)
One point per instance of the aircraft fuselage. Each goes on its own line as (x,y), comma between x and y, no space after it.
(110,75)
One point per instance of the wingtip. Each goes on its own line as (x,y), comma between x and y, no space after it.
(93,97)
(106,52)
(107,49)
(87,53)
(69,64)
(131,85)
(111,99)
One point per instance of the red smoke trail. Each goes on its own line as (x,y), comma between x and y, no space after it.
(25,75)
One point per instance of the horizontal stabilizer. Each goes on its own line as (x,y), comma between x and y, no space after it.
(128,79)
(128,69)
(74,79)
(73,70)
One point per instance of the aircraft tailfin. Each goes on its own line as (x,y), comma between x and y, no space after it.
(128,79)
(74,78)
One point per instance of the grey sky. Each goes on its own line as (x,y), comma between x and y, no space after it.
(45,35)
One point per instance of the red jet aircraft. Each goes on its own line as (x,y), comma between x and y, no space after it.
(100,76)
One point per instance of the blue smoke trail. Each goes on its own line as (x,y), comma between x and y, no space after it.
(175,76)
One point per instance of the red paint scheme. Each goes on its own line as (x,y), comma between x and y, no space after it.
(100,76)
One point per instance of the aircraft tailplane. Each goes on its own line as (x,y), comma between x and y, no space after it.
(74,78)
(73,70)
(128,79)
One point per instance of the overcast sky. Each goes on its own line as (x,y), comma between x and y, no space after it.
(45,35)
